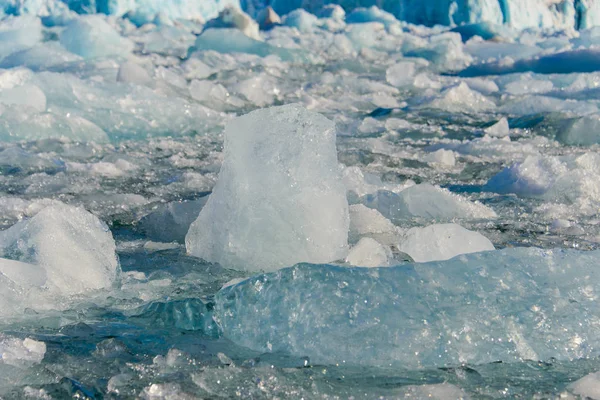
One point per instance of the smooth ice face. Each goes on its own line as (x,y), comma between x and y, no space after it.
(91,36)
(369,253)
(477,308)
(442,242)
(74,247)
(279,198)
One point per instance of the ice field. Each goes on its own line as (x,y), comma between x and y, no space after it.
(299,203)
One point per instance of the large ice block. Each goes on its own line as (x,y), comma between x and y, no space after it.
(279,199)
(506,305)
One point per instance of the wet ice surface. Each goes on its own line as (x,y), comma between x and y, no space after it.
(127,123)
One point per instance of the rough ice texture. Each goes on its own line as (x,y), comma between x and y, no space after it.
(279,198)
(20,353)
(171,222)
(369,253)
(477,308)
(587,387)
(442,242)
(91,36)
(75,248)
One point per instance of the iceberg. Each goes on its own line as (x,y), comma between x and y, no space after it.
(91,36)
(506,305)
(279,198)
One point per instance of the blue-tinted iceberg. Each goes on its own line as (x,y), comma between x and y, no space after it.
(506,305)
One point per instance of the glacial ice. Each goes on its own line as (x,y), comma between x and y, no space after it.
(17,352)
(369,253)
(19,33)
(75,248)
(477,308)
(425,201)
(91,36)
(171,222)
(279,199)
(442,242)
(587,387)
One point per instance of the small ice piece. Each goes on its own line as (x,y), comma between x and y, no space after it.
(367,221)
(90,36)
(463,99)
(369,253)
(279,199)
(442,242)
(233,17)
(499,129)
(425,201)
(333,11)
(131,72)
(587,387)
(171,222)
(439,391)
(441,157)
(20,353)
(267,18)
(19,33)
(545,104)
(75,247)
(301,20)
(363,15)
(260,89)
(528,86)
(25,95)
(583,131)
(401,74)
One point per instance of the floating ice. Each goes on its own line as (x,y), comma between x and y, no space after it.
(587,387)
(91,36)
(371,14)
(300,19)
(171,222)
(441,157)
(500,129)
(74,247)
(369,253)
(279,198)
(19,33)
(267,18)
(582,131)
(442,242)
(25,95)
(366,221)
(461,98)
(17,352)
(425,201)
(232,17)
(477,308)
(227,40)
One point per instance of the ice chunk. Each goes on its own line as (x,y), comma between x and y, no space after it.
(227,40)
(25,95)
(463,99)
(366,221)
(528,86)
(442,242)
(133,73)
(17,352)
(587,387)
(232,17)
(425,201)
(441,157)
(90,36)
(279,198)
(172,221)
(440,391)
(41,56)
(267,18)
(401,74)
(369,253)
(499,129)
(422,315)
(261,89)
(333,11)
(19,33)
(300,19)
(583,131)
(75,248)
(544,104)
(362,15)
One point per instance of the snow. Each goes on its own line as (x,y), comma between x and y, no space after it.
(442,242)
(279,198)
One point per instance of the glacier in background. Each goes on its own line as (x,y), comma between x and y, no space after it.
(557,14)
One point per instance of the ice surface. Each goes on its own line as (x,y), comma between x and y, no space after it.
(477,308)
(500,129)
(19,33)
(91,36)
(74,247)
(17,352)
(366,221)
(267,18)
(279,199)
(442,242)
(301,20)
(171,222)
(461,98)
(425,201)
(587,387)
(232,17)
(369,253)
